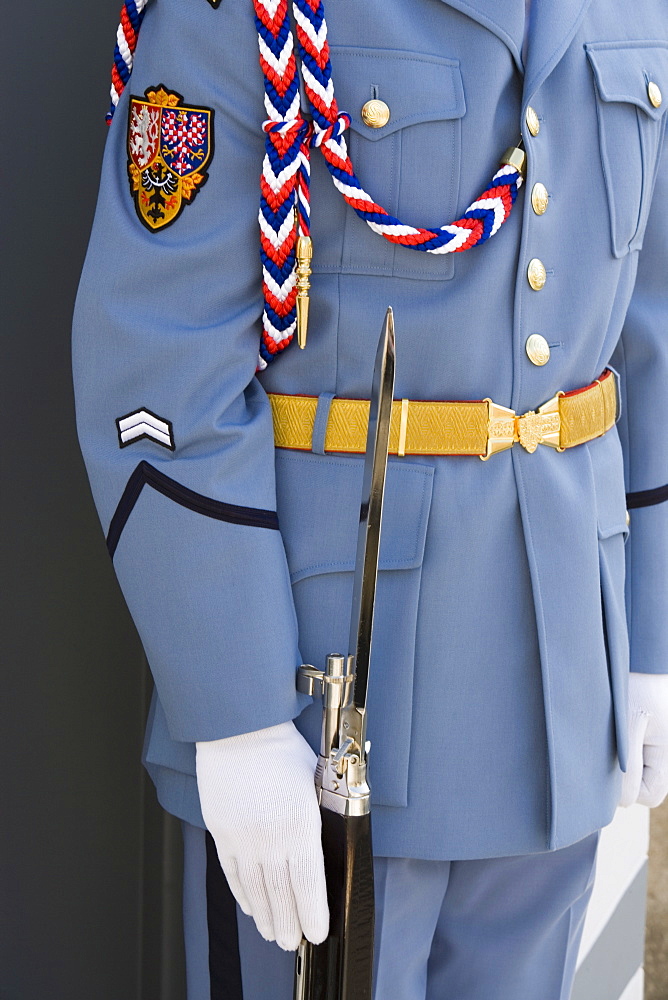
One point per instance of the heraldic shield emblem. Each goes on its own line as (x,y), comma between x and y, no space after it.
(169,147)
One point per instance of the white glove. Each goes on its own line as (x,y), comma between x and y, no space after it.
(646,778)
(260,806)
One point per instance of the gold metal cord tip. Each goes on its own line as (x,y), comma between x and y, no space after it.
(304,256)
(516,158)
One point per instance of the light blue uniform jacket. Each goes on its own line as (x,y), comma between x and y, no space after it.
(501,646)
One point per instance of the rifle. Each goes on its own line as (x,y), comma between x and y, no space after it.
(341,967)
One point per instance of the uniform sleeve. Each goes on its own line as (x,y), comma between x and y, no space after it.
(175,429)
(642,360)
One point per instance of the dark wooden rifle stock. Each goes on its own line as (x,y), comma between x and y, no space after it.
(342,965)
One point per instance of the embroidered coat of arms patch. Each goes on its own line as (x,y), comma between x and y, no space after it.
(169,147)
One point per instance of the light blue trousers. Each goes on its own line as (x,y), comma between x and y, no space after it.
(497,929)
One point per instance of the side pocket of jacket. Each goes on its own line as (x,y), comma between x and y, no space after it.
(318,504)
(607,464)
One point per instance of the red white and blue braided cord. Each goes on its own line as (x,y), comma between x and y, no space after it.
(132,15)
(284,184)
(481,220)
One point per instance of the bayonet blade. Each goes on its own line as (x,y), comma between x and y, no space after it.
(368,538)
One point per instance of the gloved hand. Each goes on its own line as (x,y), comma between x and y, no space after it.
(646,778)
(260,806)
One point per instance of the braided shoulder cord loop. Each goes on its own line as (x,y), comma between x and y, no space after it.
(132,15)
(481,220)
(284,185)
(284,212)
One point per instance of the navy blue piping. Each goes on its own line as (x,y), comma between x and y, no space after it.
(221,912)
(146,474)
(647,498)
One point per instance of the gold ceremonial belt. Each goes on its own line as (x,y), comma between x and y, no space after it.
(480,427)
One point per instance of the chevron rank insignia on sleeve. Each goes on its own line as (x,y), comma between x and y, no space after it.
(144,424)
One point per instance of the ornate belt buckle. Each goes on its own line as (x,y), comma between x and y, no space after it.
(505,427)
(541,427)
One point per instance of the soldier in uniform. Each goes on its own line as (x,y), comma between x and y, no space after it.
(521,639)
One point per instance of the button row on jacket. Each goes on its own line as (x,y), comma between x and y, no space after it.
(537,348)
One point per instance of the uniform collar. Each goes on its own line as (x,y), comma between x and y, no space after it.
(505,19)
(553,24)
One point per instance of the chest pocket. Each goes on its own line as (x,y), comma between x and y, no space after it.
(410,165)
(631,129)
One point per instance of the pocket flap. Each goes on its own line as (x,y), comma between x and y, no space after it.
(415,87)
(623,71)
(318,498)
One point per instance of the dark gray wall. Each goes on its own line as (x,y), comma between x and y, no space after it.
(89,893)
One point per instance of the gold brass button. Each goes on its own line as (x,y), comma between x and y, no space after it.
(538,349)
(628,519)
(532,121)
(539,198)
(536,274)
(654,94)
(375,114)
